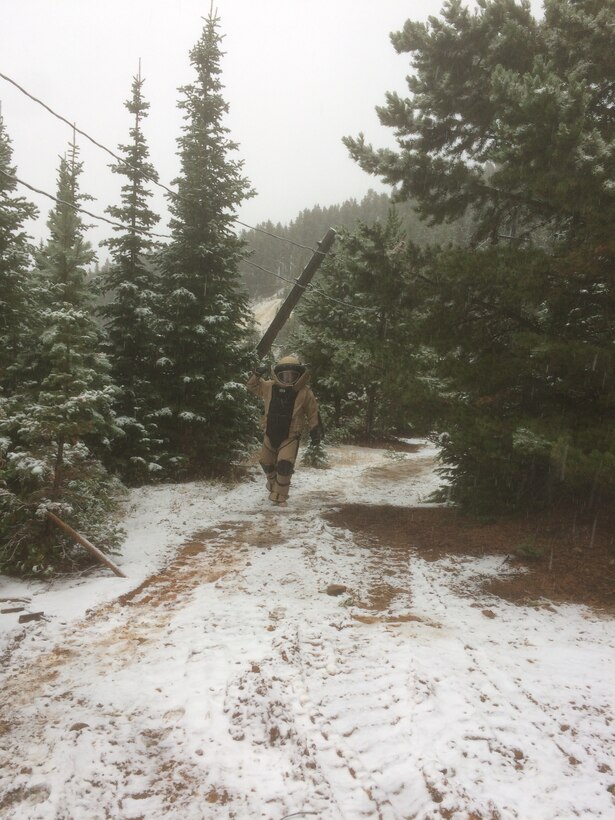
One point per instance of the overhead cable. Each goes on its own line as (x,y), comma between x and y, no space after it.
(149,177)
(83,210)
(168,236)
(311,288)
(153,179)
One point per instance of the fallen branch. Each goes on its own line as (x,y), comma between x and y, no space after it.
(85,543)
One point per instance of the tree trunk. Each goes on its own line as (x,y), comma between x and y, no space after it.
(58,468)
(371,410)
(337,411)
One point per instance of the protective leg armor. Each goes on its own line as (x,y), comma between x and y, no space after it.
(278,465)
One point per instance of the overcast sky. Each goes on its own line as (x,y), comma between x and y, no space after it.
(298,75)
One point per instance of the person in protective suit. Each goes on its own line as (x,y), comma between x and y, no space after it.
(289,402)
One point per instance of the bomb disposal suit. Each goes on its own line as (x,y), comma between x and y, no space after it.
(289,403)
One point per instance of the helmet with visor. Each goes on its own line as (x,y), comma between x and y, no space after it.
(289,370)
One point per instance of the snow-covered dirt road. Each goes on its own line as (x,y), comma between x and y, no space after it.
(222,680)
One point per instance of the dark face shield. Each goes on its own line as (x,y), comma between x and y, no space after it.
(287,376)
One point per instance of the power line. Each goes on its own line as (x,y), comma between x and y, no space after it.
(83,210)
(271,273)
(172,193)
(168,236)
(281,238)
(149,177)
(347,305)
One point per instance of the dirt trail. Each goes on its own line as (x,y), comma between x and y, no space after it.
(231,685)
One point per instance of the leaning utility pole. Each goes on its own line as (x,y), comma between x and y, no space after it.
(281,317)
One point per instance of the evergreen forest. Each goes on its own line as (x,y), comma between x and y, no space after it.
(474,304)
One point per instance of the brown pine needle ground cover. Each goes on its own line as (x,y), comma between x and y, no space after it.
(567,560)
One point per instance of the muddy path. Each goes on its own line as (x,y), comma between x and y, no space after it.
(234,683)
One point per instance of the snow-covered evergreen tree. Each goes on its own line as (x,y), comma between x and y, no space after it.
(17,291)
(204,315)
(511,116)
(131,281)
(55,423)
(355,335)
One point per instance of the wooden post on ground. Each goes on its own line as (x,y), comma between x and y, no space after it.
(85,543)
(281,317)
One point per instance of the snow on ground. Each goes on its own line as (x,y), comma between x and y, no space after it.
(220,680)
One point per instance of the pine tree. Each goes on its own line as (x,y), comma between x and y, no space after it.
(505,114)
(285,259)
(511,117)
(57,422)
(131,281)
(355,334)
(205,320)
(17,291)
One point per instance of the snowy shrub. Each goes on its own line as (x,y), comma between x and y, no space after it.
(315,456)
(527,441)
(29,542)
(26,467)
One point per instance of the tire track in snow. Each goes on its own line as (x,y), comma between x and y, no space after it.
(118,639)
(331,674)
(57,711)
(278,710)
(232,686)
(502,731)
(316,657)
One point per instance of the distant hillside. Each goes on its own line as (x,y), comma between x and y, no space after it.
(310,226)
(264,312)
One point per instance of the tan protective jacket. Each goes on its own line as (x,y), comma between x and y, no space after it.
(305,407)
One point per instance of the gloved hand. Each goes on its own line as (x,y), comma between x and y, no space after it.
(262,370)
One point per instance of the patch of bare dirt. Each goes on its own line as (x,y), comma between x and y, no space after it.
(181,575)
(383,443)
(568,560)
(387,619)
(184,573)
(398,470)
